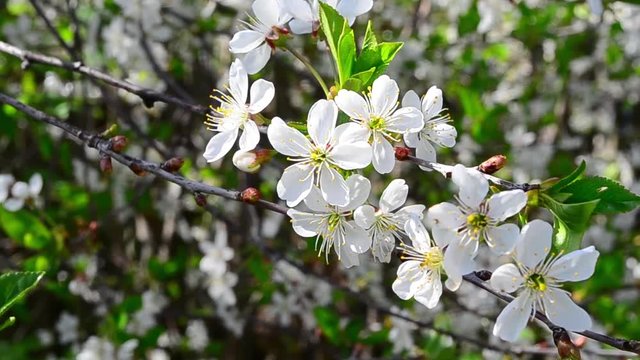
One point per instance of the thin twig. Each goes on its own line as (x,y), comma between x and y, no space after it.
(148,96)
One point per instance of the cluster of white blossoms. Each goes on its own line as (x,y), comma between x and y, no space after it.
(15,194)
(328,195)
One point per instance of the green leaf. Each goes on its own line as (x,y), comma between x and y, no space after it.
(369,37)
(25,228)
(567,180)
(570,222)
(614,198)
(10,321)
(329,323)
(340,39)
(13,287)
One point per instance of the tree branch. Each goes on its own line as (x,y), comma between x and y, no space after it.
(148,96)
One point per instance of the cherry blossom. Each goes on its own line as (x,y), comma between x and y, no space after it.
(254,44)
(318,158)
(380,119)
(539,279)
(332,224)
(306,14)
(234,113)
(386,224)
(436,128)
(473,220)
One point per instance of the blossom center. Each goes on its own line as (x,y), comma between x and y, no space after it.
(333,221)
(476,222)
(376,123)
(318,156)
(432,258)
(536,282)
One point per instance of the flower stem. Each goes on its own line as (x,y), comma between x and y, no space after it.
(310,67)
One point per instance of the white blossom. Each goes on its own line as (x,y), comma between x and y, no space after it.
(254,44)
(539,279)
(332,224)
(419,275)
(380,119)
(474,220)
(436,129)
(306,13)
(318,158)
(386,224)
(234,113)
(14,196)
(67,328)
(197,335)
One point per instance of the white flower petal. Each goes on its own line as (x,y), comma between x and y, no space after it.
(245,40)
(429,294)
(351,156)
(295,183)
(444,237)
(359,189)
(432,103)
(445,215)
(20,190)
(384,95)
(35,184)
(333,187)
(300,9)
(352,104)
(405,120)
(383,246)
(410,212)
(365,216)
(411,99)
(321,121)
(13,204)
(350,133)
(425,151)
(287,140)
(256,59)
(513,319)
(407,272)
(357,239)
(577,265)
(506,278)
(419,236)
(301,27)
(534,243)
(267,12)
(250,136)
(442,134)
(562,311)
(473,186)
(411,139)
(238,82)
(502,239)
(353,8)
(304,224)
(505,204)
(315,202)
(348,258)
(220,144)
(262,92)
(458,261)
(384,157)
(394,195)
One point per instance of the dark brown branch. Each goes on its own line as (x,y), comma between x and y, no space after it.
(104,146)
(148,96)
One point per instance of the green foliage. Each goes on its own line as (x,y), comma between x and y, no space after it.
(13,287)
(25,229)
(614,198)
(570,222)
(355,71)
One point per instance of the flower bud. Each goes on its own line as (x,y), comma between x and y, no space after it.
(201,199)
(250,195)
(402,153)
(119,143)
(172,165)
(250,161)
(137,169)
(105,164)
(567,350)
(492,164)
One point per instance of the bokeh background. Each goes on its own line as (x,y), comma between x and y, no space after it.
(135,269)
